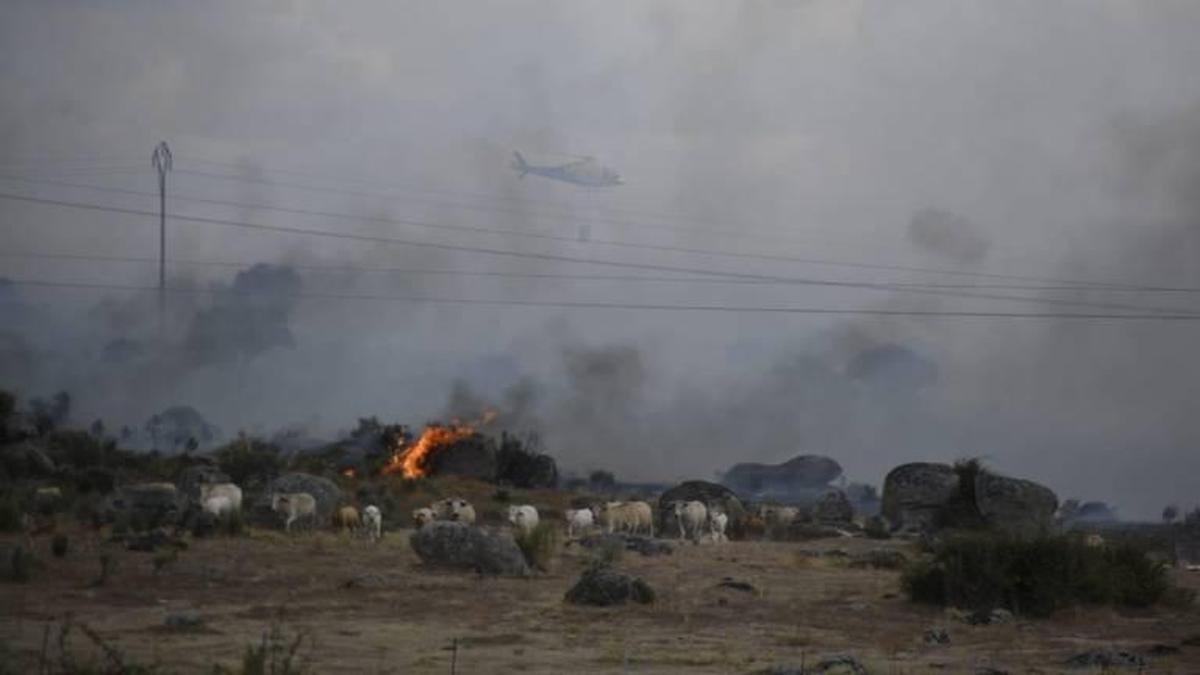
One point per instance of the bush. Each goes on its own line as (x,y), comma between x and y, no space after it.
(59,545)
(249,461)
(10,513)
(540,545)
(1034,576)
(274,655)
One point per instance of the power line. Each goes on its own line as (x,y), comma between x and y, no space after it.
(546,275)
(572,259)
(631,306)
(1055,284)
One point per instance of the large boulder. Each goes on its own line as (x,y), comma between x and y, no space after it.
(630,542)
(25,460)
(145,505)
(191,478)
(915,494)
(325,491)
(459,546)
(701,491)
(799,474)
(601,587)
(833,508)
(1014,504)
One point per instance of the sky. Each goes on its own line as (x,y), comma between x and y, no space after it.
(899,164)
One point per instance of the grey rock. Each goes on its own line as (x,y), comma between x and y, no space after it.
(734,584)
(711,494)
(988,617)
(631,542)
(602,587)
(191,478)
(458,546)
(1106,657)
(367,580)
(145,505)
(936,636)
(185,620)
(798,473)
(914,494)
(324,491)
(26,459)
(879,559)
(1014,504)
(833,508)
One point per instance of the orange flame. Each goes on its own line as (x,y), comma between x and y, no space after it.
(412,460)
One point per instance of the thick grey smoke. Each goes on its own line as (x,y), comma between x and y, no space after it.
(1054,141)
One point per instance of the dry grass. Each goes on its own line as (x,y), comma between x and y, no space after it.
(802,606)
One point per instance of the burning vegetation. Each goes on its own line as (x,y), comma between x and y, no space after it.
(414,460)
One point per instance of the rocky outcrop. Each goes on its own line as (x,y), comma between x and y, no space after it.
(805,472)
(1013,504)
(927,497)
(144,506)
(833,508)
(325,491)
(191,478)
(707,493)
(458,546)
(601,587)
(915,494)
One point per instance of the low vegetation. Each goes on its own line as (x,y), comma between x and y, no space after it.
(541,545)
(1034,576)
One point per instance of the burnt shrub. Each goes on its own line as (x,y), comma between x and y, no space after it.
(10,513)
(518,463)
(1034,576)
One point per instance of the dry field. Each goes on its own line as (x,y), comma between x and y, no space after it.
(409,617)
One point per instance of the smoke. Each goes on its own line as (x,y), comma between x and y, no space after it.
(948,235)
(1053,143)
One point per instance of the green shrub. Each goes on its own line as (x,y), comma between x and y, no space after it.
(249,460)
(607,551)
(1034,576)
(540,545)
(274,655)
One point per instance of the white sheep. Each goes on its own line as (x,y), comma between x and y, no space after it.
(294,505)
(372,522)
(579,520)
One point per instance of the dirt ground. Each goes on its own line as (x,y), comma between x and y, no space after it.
(408,617)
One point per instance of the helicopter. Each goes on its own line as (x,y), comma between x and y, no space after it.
(583,172)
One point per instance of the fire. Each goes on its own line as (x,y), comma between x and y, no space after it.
(349,472)
(411,460)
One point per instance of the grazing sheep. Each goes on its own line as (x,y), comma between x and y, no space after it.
(294,505)
(346,519)
(629,517)
(579,520)
(523,517)
(717,520)
(422,517)
(228,490)
(372,522)
(690,516)
(219,505)
(456,509)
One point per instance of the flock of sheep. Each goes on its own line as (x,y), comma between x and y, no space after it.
(695,520)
